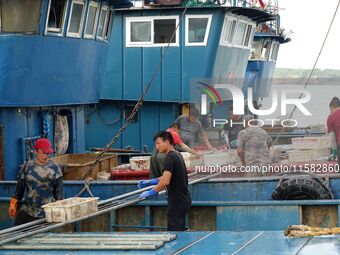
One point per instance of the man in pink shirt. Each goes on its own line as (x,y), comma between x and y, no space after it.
(333,122)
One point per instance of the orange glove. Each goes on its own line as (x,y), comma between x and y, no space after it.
(12,209)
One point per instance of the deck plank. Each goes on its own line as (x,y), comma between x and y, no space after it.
(222,242)
(325,245)
(274,243)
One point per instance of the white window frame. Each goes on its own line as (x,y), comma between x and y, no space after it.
(266,56)
(51,30)
(253,25)
(251,40)
(207,31)
(232,43)
(108,24)
(243,36)
(92,4)
(250,29)
(81,26)
(106,8)
(274,51)
(222,41)
(151,19)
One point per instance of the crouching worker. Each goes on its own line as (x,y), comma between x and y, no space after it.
(40,181)
(174,179)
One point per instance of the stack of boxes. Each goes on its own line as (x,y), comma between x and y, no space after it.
(309,148)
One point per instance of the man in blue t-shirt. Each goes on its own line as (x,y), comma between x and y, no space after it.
(174,179)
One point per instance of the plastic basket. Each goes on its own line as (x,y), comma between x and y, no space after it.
(70,208)
(307,155)
(220,158)
(191,161)
(307,143)
(140,163)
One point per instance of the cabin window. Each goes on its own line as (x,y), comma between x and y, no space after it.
(247,37)
(56,16)
(237,32)
(252,34)
(255,52)
(91,20)
(265,51)
(228,30)
(240,32)
(151,31)
(140,32)
(163,29)
(197,29)
(75,22)
(18,16)
(127,112)
(102,22)
(108,26)
(274,51)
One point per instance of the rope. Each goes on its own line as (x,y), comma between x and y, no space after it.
(315,63)
(307,231)
(86,188)
(136,107)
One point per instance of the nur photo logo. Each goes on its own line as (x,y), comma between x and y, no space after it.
(210,91)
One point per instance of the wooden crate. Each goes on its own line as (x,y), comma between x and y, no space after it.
(75,165)
(70,208)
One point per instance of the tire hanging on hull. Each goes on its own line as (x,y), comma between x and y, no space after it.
(302,189)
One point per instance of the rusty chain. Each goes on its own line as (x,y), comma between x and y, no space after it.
(136,107)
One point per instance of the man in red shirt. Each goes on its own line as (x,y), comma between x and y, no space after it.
(157,158)
(333,122)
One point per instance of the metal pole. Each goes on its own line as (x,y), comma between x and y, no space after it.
(22,226)
(125,195)
(132,193)
(57,225)
(101,211)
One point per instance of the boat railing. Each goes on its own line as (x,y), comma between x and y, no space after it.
(258,4)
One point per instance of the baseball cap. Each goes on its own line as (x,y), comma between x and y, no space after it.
(44,145)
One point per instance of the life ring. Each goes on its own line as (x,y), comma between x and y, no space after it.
(300,188)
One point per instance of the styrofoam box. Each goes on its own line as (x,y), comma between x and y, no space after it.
(220,158)
(70,208)
(307,155)
(140,163)
(191,161)
(307,143)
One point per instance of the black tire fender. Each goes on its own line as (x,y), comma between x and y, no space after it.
(302,189)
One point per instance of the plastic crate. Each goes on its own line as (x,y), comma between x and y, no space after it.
(75,165)
(307,143)
(140,163)
(191,161)
(307,155)
(220,158)
(70,208)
